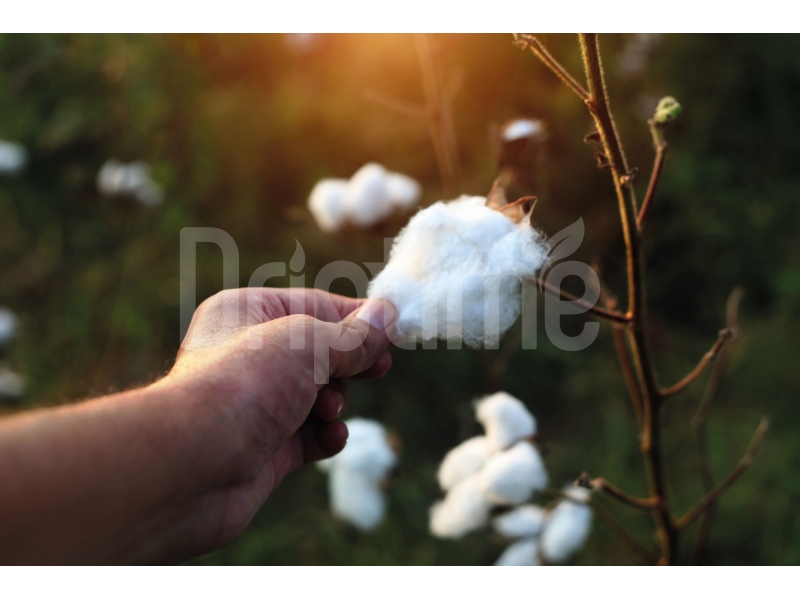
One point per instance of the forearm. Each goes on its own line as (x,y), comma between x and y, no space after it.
(105,480)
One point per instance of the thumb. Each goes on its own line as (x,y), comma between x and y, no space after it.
(360,339)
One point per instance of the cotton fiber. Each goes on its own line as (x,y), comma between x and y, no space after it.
(13,157)
(521,128)
(8,325)
(524,553)
(357,473)
(463,509)
(463,460)
(454,272)
(568,526)
(524,521)
(370,196)
(132,180)
(505,419)
(511,476)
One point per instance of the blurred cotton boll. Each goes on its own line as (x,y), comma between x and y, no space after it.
(131,180)
(357,473)
(8,325)
(568,526)
(462,461)
(512,476)
(326,203)
(519,129)
(13,157)
(505,419)
(369,197)
(524,553)
(454,272)
(527,520)
(12,385)
(464,509)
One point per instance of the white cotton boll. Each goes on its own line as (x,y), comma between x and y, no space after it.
(356,498)
(13,157)
(367,450)
(367,196)
(11,384)
(8,325)
(463,509)
(404,192)
(505,419)
(110,178)
(567,527)
(522,128)
(326,203)
(133,180)
(454,264)
(462,461)
(524,521)
(513,475)
(524,553)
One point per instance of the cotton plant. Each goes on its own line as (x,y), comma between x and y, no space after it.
(356,475)
(13,157)
(456,270)
(369,197)
(132,180)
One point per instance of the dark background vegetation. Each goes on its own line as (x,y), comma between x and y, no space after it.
(238,129)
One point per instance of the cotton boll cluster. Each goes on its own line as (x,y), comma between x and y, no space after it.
(131,180)
(546,535)
(455,271)
(370,196)
(13,157)
(481,473)
(356,474)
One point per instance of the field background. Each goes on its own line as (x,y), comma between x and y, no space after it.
(239,128)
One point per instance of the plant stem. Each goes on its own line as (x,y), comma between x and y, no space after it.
(626,198)
(613,491)
(708,358)
(525,40)
(610,315)
(661,152)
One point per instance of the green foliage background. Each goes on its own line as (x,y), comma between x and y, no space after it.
(238,129)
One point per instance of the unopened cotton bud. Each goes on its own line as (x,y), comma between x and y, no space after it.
(462,461)
(367,197)
(454,272)
(12,385)
(464,509)
(524,521)
(512,476)
(668,110)
(505,419)
(13,157)
(567,527)
(8,325)
(326,203)
(356,498)
(522,128)
(404,192)
(524,553)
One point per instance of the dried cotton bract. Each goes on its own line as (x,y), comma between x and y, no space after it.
(455,272)
(370,196)
(357,472)
(132,180)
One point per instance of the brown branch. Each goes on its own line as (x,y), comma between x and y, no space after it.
(525,40)
(626,198)
(711,497)
(404,107)
(724,335)
(599,311)
(613,491)
(661,152)
(701,417)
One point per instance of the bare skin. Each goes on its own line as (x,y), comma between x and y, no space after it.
(180,467)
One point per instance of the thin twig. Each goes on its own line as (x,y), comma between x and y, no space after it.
(661,152)
(724,336)
(604,313)
(732,477)
(404,107)
(613,491)
(701,418)
(525,40)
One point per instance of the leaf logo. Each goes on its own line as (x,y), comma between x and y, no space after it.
(562,244)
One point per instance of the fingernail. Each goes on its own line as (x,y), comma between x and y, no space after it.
(379,313)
